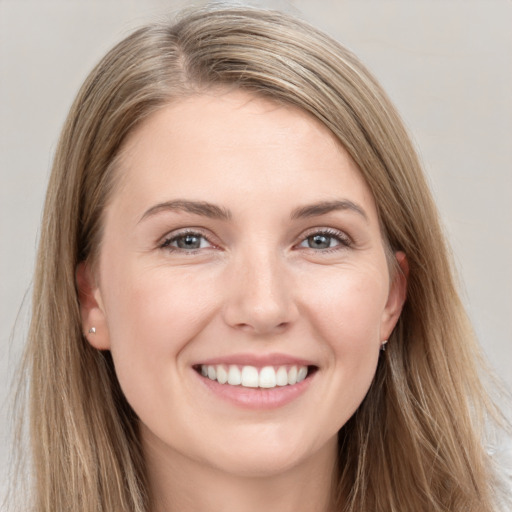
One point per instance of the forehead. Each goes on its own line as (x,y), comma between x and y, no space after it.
(226,119)
(220,145)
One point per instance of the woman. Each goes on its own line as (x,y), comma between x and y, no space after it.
(243,297)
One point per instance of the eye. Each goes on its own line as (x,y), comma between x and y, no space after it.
(188,241)
(326,239)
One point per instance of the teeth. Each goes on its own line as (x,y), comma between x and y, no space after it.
(267,377)
(222,374)
(234,376)
(282,376)
(292,375)
(252,377)
(301,374)
(249,377)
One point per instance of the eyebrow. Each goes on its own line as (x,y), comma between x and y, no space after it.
(325,207)
(213,211)
(202,208)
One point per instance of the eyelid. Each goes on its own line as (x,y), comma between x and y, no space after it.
(167,239)
(344,239)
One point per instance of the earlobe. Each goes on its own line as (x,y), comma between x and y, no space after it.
(396,297)
(94,322)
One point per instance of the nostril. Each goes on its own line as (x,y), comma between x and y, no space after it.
(259,308)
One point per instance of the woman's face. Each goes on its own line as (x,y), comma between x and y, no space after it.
(242,285)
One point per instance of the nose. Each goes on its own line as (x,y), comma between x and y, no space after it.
(260,295)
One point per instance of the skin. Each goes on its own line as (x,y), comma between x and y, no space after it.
(256,285)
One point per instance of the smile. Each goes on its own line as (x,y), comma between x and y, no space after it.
(256,382)
(248,376)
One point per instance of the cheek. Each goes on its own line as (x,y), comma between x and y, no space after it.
(152,315)
(156,306)
(348,309)
(346,319)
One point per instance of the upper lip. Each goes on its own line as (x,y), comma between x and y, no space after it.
(257,360)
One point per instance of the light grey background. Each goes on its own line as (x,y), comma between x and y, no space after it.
(445,63)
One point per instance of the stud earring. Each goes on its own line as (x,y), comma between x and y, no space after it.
(383,345)
(92,330)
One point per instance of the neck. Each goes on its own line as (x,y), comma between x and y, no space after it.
(178,483)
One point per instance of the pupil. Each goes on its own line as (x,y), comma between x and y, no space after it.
(189,242)
(319,241)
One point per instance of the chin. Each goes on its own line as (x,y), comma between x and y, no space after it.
(267,458)
(260,465)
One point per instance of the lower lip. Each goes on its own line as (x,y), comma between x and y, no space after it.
(257,398)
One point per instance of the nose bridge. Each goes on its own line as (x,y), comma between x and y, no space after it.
(260,297)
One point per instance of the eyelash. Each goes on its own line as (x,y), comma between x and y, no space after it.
(166,244)
(344,240)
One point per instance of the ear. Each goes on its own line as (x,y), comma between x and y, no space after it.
(396,297)
(91,308)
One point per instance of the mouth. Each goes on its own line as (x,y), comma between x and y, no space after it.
(248,376)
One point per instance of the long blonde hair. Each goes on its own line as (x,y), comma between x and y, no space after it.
(414,444)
